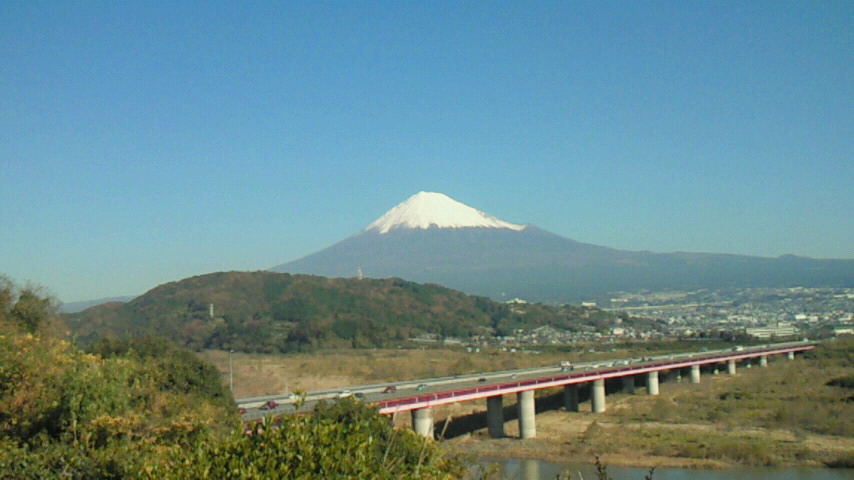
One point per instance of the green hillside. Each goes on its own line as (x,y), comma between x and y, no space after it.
(278,312)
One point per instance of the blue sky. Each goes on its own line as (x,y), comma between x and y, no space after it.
(144,142)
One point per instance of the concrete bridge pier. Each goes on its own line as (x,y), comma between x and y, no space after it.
(763,361)
(695,374)
(422,422)
(730,367)
(791,355)
(495,416)
(629,384)
(527,414)
(570,398)
(679,375)
(597,396)
(652,383)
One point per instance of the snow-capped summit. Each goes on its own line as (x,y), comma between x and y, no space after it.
(428,209)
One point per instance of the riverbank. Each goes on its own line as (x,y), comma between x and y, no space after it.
(659,445)
(789,414)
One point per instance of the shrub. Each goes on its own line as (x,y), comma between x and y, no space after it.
(344,440)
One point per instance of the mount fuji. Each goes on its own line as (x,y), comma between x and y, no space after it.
(431,238)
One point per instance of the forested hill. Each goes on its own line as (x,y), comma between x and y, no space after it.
(270,312)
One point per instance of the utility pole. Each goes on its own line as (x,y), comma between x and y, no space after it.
(230,372)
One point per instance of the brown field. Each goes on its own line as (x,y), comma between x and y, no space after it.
(262,374)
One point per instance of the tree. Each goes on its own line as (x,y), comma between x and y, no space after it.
(177,370)
(28,309)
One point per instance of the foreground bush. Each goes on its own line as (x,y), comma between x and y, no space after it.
(344,440)
(67,414)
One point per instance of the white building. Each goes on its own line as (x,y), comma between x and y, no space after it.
(781,329)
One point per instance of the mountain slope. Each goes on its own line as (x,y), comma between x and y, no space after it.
(505,262)
(268,312)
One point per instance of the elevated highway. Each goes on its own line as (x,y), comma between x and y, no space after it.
(420,396)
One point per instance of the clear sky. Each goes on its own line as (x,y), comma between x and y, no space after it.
(145,142)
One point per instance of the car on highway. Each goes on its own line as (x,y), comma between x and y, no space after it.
(359,395)
(390,389)
(241,411)
(345,394)
(421,387)
(269,405)
(481,379)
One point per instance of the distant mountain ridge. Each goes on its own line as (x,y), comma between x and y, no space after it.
(74,307)
(527,262)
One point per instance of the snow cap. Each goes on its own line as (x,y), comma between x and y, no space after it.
(428,209)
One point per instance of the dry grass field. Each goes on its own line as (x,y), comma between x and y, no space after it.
(261,374)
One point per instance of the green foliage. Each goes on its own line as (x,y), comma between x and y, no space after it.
(68,414)
(343,440)
(176,370)
(65,413)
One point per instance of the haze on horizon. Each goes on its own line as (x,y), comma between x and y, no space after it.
(147,143)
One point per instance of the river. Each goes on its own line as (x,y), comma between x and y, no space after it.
(539,470)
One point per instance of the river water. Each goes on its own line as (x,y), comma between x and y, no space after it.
(539,470)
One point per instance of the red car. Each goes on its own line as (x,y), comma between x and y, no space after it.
(269,405)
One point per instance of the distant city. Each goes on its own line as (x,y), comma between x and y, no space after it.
(738,314)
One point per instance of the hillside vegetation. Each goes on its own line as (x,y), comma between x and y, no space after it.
(277,312)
